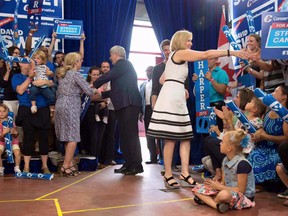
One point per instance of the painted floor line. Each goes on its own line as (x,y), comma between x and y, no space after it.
(67,186)
(126,206)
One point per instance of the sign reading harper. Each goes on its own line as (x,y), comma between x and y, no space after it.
(68,29)
(202,99)
(275,35)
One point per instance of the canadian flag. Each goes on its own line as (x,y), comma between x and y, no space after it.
(226,63)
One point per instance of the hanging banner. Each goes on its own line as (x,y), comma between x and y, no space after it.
(51,9)
(243,8)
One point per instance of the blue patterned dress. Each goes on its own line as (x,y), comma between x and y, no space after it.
(264,157)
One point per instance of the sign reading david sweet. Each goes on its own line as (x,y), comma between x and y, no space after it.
(274,35)
(68,29)
(28,13)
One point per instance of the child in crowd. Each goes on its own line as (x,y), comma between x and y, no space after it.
(15,142)
(98,107)
(255,110)
(237,187)
(42,72)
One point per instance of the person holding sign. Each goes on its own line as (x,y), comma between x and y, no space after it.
(253,44)
(15,142)
(170,119)
(31,123)
(219,81)
(10,96)
(264,157)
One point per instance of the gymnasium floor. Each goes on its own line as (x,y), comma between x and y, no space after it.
(104,193)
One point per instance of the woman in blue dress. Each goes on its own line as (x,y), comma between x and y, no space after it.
(264,157)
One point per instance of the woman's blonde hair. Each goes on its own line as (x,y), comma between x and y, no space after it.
(238,139)
(69,63)
(179,39)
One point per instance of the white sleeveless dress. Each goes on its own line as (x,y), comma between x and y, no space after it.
(170,118)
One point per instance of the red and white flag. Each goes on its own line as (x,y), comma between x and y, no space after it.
(226,63)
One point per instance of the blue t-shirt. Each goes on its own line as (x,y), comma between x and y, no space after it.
(221,77)
(24,99)
(51,66)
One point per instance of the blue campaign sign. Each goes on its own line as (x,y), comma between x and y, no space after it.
(241,6)
(68,29)
(246,81)
(274,35)
(202,100)
(51,9)
(84,71)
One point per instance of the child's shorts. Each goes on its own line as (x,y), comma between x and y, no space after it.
(14,147)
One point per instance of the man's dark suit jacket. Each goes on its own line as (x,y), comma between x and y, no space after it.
(124,89)
(157,72)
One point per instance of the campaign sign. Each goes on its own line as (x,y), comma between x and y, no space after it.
(241,6)
(241,26)
(51,9)
(68,29)
(34,13)
(246,81)
(84,71)
(202,99)
(274,35)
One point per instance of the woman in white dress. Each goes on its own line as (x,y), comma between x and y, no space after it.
(170,119)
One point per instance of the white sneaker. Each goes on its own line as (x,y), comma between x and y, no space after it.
(105,120)
(2,171)
(33,109)
(17,169)
(97,118)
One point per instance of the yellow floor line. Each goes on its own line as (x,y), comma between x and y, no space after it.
(125,206)
(28,200)
(8,201)
(57,205)
(67,186)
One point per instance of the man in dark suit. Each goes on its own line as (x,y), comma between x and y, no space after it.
(145,92)
(126,99)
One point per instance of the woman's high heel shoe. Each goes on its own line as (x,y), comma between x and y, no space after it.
(184,181)
(74,169)
(64,171)
(172,185)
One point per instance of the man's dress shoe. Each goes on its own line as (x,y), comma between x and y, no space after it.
(120,170)
(133,171)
